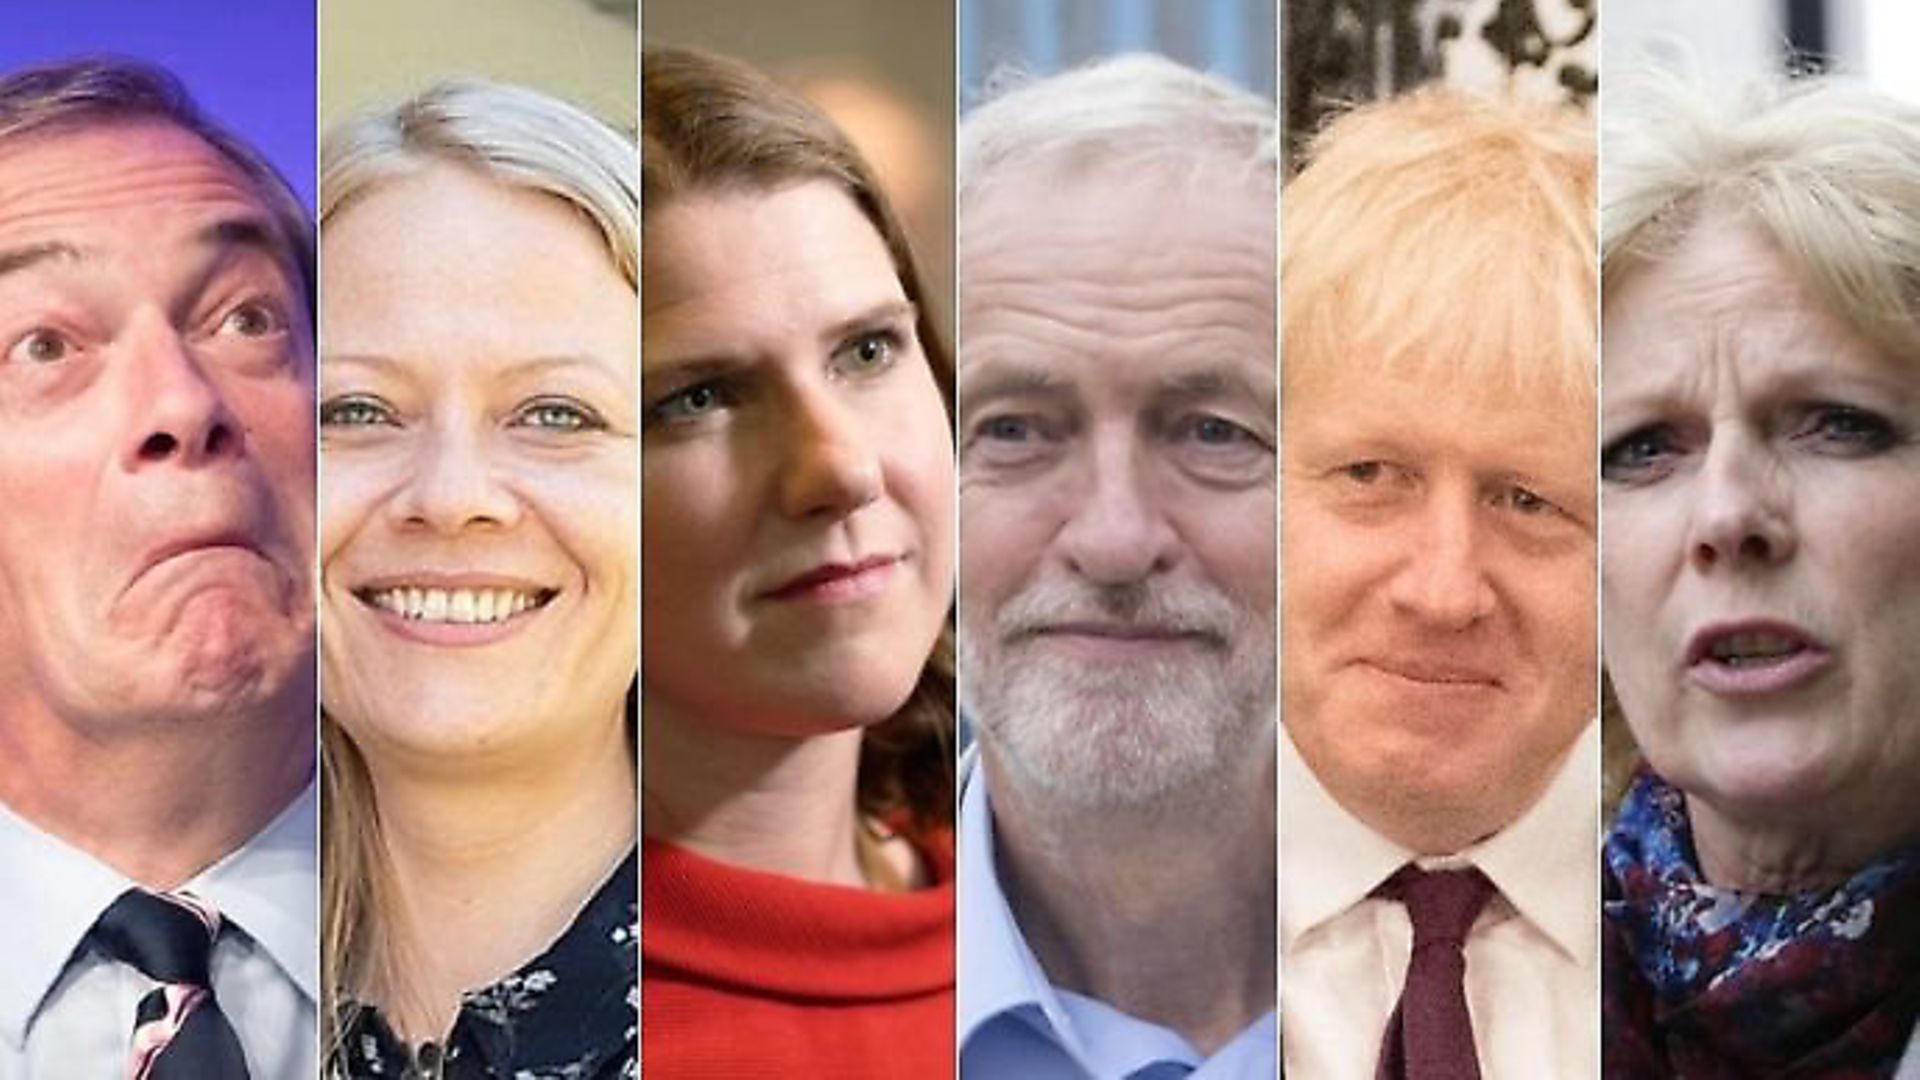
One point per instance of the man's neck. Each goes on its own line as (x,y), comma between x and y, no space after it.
(158,803)
(1165,912)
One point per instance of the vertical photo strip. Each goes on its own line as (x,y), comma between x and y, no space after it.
(1439,779)
(158,910)
(1117,171)
(797,543)
(479,509)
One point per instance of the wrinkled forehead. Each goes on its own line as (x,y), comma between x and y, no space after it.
(125,183)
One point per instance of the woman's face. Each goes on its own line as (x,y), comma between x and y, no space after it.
(477,491)
(798,466)
(1761,539)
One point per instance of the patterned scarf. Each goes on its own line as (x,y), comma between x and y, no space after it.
(1702,982)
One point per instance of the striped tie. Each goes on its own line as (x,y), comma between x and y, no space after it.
(178,1028)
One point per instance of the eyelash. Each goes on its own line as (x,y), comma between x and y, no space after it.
(357,411)
(579,415)
(678,407)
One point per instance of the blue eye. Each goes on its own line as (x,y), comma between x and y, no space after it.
(1849,430)
(558,414)
(1641,455)
(356,410)
(1007,428)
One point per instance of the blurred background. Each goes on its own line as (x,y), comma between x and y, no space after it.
(1342,52)
(1231,38)
(883,69)
(250,66)
(376,52)
(1874,39)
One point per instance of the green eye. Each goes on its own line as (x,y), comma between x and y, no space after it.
(559,414)
(356,411)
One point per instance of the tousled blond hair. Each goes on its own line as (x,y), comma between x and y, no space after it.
(1447,236)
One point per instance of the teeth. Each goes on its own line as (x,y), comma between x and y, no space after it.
(1753,648)
(454,605)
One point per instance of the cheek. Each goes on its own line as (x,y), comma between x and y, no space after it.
(1325,565)
(1233,537)
(587,506)
(1004,532)
(696,526)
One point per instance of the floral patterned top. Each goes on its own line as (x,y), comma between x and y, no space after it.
(571,1013)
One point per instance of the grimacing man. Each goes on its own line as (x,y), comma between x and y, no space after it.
(1438,568)
(1116,625)
(156,603)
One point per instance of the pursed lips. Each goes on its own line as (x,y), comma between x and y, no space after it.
(1434,671)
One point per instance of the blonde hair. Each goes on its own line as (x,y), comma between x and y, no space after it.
(1449,236)
(1828,169)
(520,138)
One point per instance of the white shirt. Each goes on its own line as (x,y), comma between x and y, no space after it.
(67,1012)
(1532,978)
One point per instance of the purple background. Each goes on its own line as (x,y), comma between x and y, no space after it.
(249,63)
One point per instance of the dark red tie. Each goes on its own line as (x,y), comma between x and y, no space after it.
(1430,1036)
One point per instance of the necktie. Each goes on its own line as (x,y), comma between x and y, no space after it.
(178,1028)
(1430,1036)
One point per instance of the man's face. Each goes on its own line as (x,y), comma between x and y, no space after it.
(156,432)
(1117,479)
(1438,592)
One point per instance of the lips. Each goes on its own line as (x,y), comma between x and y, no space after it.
(427,602)
(1438,672)
(1754,656)
(838,580)
(188,543)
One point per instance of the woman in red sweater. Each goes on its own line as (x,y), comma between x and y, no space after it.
(797,557)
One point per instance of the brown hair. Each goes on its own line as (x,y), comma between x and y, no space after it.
(713,124)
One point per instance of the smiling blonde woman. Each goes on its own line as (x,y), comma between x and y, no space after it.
(477,563)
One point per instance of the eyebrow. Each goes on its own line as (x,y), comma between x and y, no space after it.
(1217,382)
(887,311)
(1008,380)
(18,259)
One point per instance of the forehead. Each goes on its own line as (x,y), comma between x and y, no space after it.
(116,184)
(446,265)
(1485,428)
(1723,293)
(769,255)
(1118,275)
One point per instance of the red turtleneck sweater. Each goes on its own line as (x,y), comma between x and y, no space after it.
(748,974)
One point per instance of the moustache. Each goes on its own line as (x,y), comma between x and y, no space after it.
(1145,608)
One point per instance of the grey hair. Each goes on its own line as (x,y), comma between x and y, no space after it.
(1827,168)
(1138,108)
(513,134)
(96,91)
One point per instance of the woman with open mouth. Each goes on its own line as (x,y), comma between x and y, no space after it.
(1761,579)
(797,547)
(478,436)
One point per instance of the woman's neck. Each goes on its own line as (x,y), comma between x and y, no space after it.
(1799,854)
(490,869)
(781,805)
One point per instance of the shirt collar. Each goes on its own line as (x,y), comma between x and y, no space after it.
(1546,864)
(999,975)
(267,887)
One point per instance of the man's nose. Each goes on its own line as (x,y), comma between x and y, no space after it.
(830,465)
(182,415)
(1443,581)
(1742,513)
(455,483)
(1118,532)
